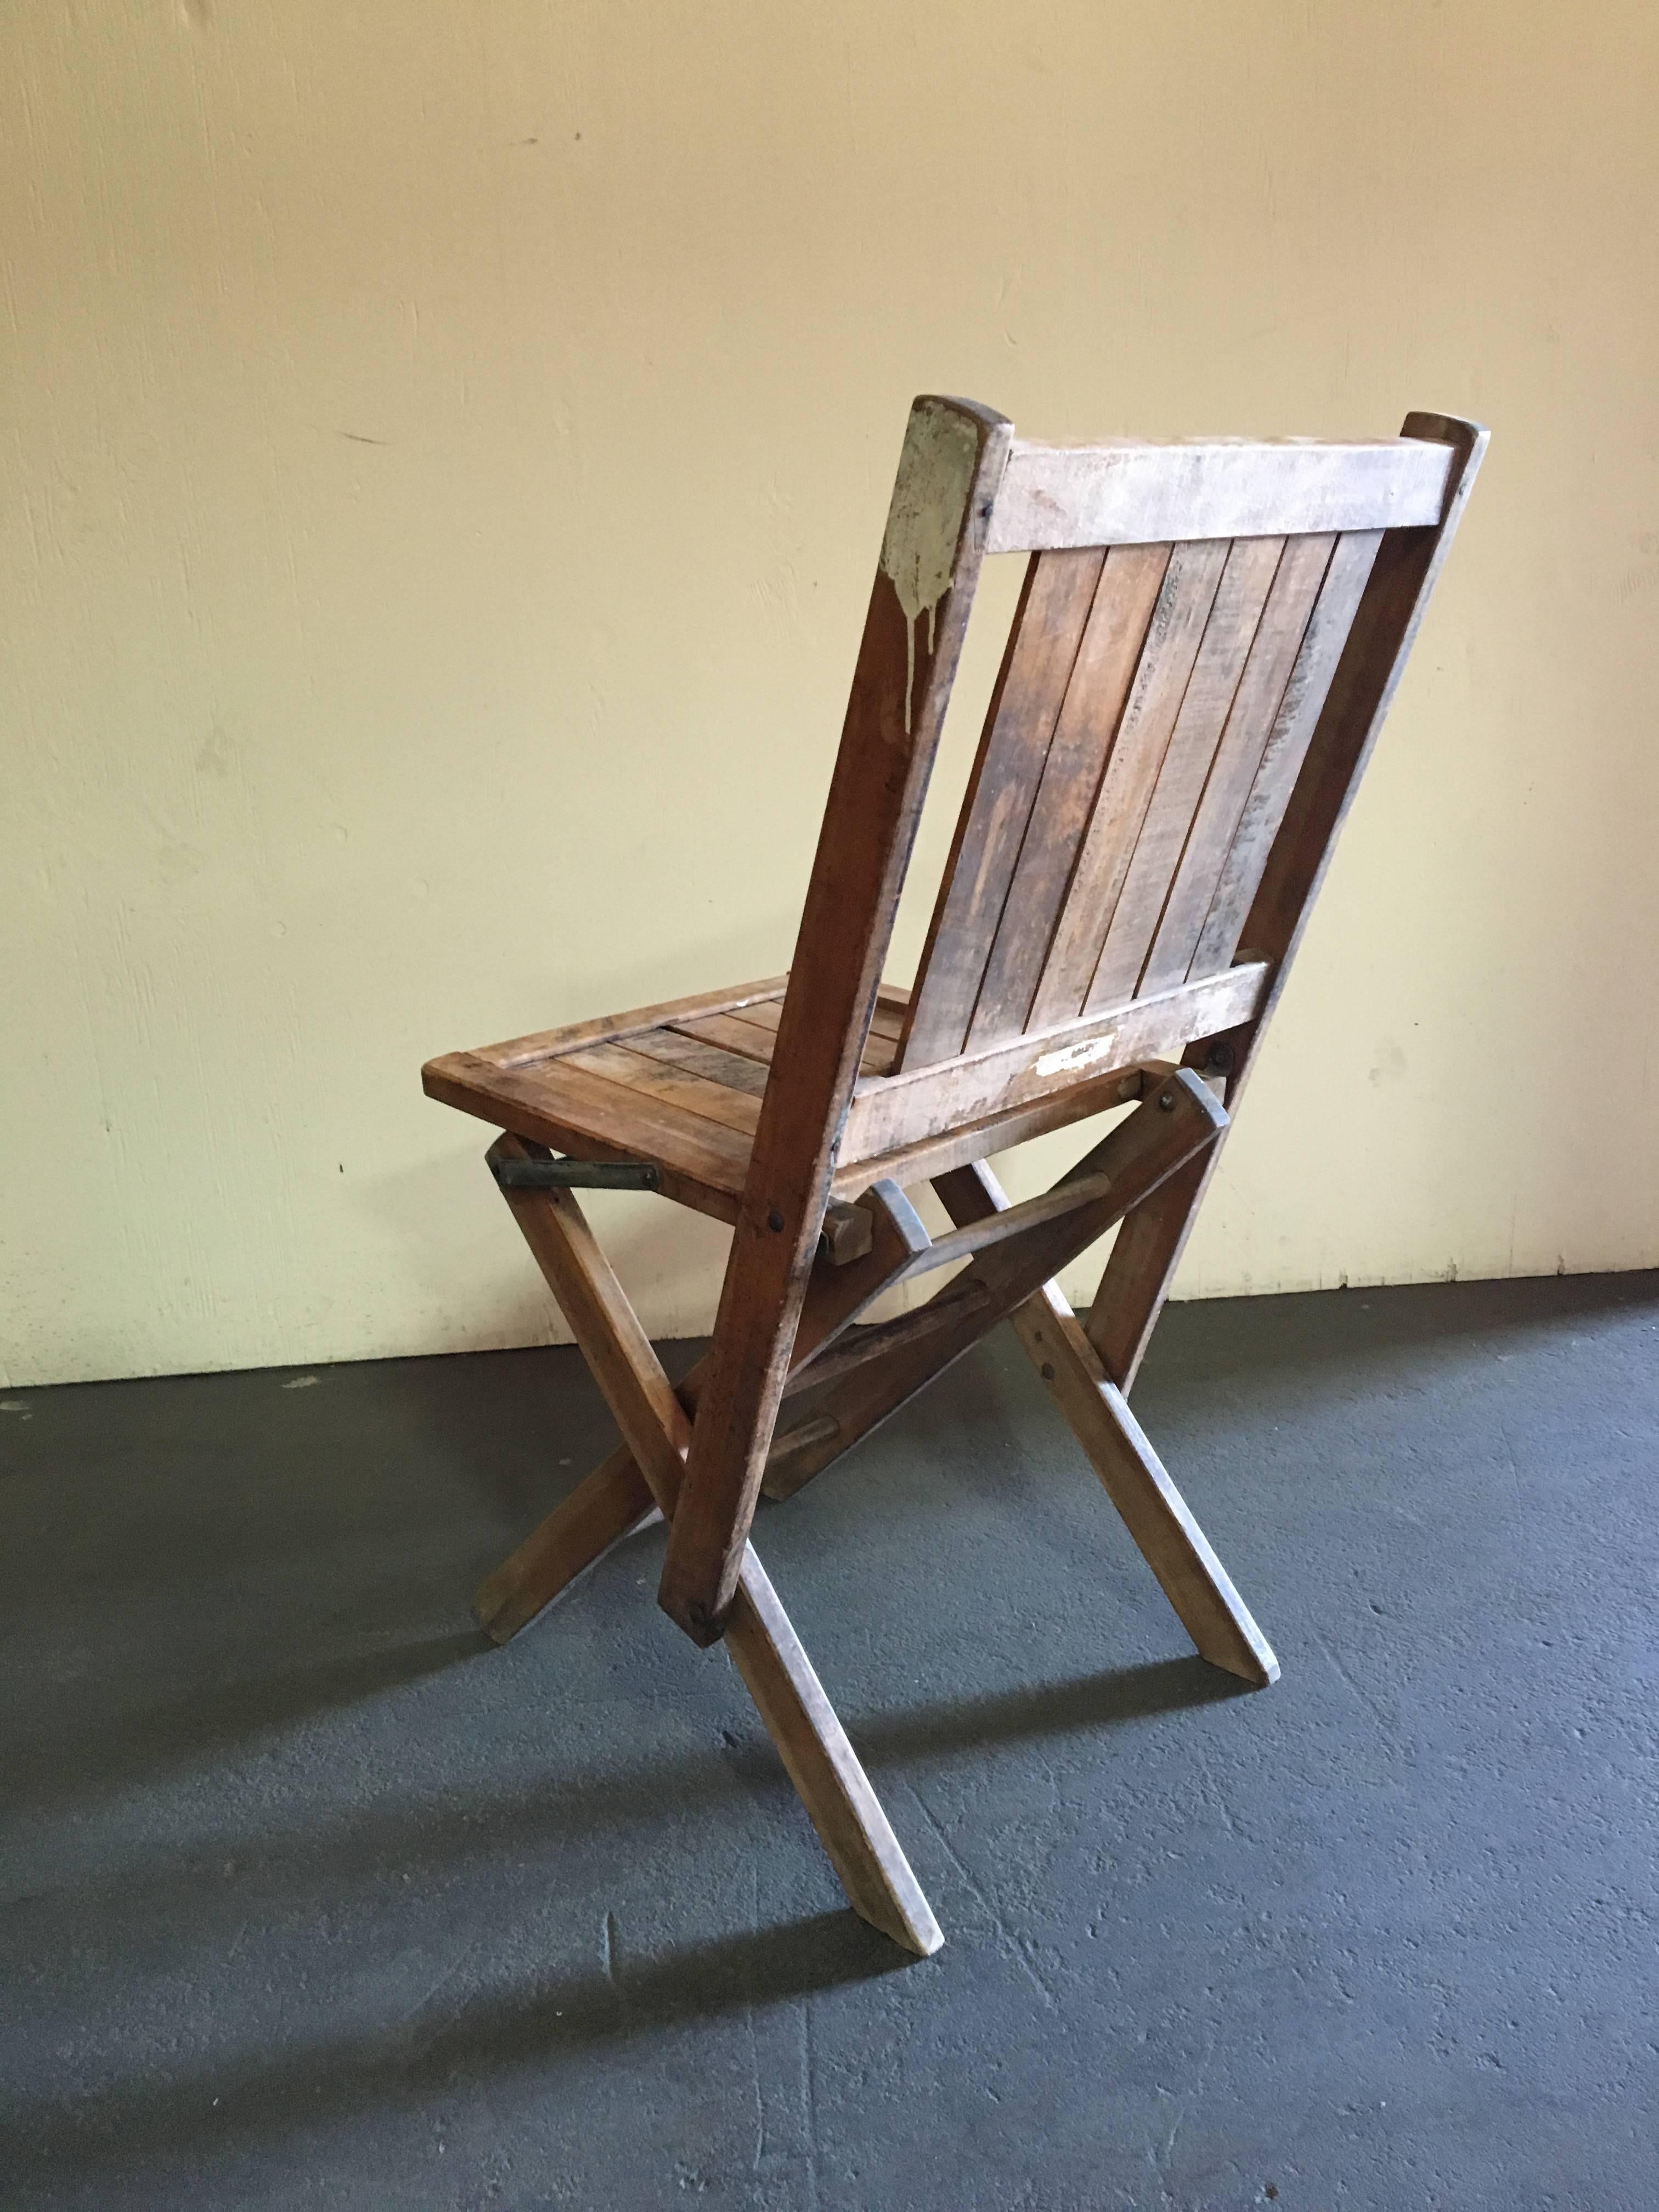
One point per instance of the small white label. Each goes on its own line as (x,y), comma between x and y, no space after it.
(1072,1056)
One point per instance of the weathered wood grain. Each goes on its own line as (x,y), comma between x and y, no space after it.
(1178,623)
(1008,769)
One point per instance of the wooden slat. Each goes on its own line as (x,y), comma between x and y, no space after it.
(730,1068)
(675,1086)
(517,1052)
(1127,494)
(880,1045)
(931,551)
(1031,689)
(1249,724)
(1210,690)
(1095,699)
(1285,749)
(1166,663)
(753,1040)
(900,1109)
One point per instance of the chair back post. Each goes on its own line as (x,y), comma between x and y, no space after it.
(949,469)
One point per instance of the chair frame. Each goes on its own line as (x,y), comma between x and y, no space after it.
(790,1382)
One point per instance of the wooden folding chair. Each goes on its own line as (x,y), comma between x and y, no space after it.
(1206,643)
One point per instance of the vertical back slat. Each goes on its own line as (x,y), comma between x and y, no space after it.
(1177,628)
(1286,748)
(1036,667)
(1261,692)
(1240,597)
(1105,666)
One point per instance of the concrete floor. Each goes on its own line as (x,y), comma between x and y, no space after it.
(312,1898)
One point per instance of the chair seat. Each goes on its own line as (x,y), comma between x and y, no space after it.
(677,1086)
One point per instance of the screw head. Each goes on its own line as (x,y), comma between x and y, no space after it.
(1166,1100)
(774,1221)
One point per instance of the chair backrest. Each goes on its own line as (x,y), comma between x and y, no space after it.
(1206,641)
(1176,644)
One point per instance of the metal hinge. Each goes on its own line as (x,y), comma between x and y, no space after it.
(576,1175)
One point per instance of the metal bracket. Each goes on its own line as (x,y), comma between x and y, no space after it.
(575,1174)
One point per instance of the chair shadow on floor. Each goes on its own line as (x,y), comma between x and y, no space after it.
(1040,1708)
(113,1750)
(440,2049)
(234,2102)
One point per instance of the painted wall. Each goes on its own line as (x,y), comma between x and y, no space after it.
(446,450)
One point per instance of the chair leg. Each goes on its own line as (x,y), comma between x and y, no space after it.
(1153,1511)
(1140,1269)
(605,1506)
(820,1761)
(614,1501)
(823,1767)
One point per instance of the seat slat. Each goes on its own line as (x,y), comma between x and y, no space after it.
(544,1044)
(1030,688)
(676,1087)
(1285,749)
(879,1046)
(1179,620)
(730,1068)
(1095,697)
(754,1036)
(1211,689)
(1261,692)
(752,1040)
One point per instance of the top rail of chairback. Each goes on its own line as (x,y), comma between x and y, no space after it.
(1057,498)
(1184,613)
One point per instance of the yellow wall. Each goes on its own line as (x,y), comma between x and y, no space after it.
(445,452)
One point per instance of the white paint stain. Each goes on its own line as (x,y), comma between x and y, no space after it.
(301,1383)
(1079,1056)
(919,552)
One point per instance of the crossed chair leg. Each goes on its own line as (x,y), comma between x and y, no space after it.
(840,1386)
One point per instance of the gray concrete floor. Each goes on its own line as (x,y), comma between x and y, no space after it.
(312,1898)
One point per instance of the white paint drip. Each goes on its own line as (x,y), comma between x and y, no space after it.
(919,552)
